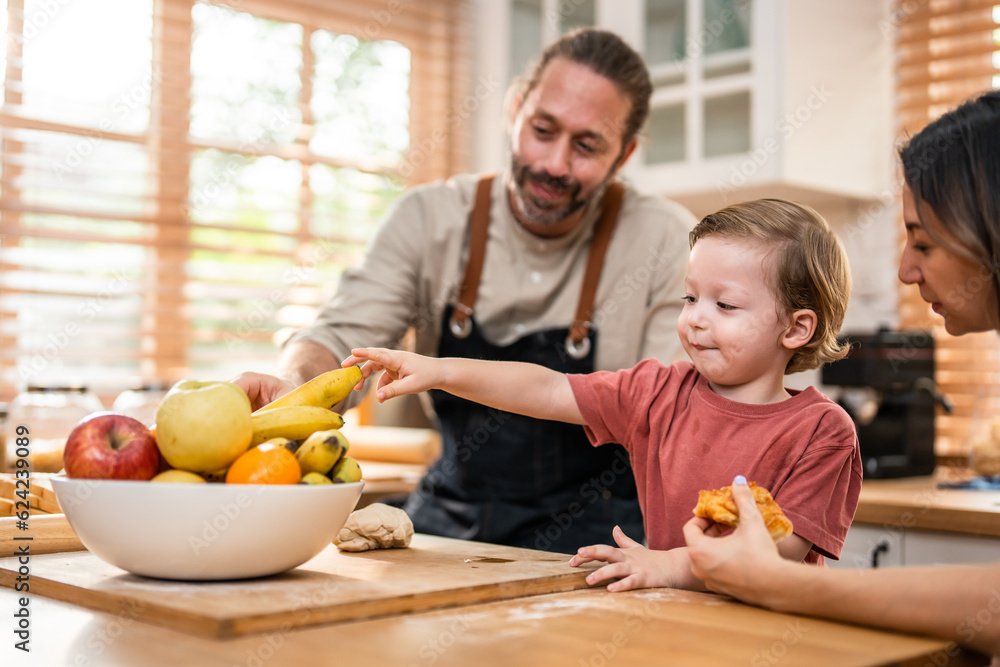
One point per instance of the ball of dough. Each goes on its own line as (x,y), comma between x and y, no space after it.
(377,526)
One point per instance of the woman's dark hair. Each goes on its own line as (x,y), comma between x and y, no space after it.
(953,166)
(604,53)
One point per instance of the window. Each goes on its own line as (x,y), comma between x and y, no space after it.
(947,51)
(182,183)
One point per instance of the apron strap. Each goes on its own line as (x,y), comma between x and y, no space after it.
(578,342)
(479,222)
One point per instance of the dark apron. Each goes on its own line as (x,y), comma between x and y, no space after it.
(507,479)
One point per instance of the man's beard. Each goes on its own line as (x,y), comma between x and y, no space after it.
(544,213)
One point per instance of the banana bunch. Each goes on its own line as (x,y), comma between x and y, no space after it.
(323,459)
(295,422)
(305,409)
(304,415)
(323,391)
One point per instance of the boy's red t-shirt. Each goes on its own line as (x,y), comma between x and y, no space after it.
(683,437)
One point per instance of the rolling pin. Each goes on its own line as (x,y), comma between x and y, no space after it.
(49,533)
(393,444)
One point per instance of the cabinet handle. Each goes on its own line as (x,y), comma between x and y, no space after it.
(881,548)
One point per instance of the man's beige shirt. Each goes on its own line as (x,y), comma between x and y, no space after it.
(416,260)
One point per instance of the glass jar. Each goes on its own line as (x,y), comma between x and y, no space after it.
(49,413)
(141,402)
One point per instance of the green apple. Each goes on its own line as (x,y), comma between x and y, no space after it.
(203,426)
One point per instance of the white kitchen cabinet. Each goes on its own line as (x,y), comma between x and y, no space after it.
(871,546)
(752,97)
(934,548)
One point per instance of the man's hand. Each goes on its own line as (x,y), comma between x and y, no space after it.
(405,372)
(742,563)
(261,389)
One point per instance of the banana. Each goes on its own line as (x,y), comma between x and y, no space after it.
(215,476)
(347,470)
(321,451)
(315,478)
(323,391)
(295,423)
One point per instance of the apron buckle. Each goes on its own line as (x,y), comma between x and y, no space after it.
(577,350)
(464,328)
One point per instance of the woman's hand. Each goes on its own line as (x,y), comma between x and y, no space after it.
(743,563)
(633,565)
(405,372)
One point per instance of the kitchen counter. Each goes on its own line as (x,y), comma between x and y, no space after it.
(440,602)
(578,628)
(918,502)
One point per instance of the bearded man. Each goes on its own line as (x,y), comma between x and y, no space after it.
(550,262)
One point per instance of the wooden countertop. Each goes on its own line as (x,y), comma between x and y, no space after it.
(918,502)
(587,627)
(129,620)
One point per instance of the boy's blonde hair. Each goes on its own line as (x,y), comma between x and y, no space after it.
(810,267)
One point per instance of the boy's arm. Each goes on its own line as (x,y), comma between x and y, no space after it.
(524,389)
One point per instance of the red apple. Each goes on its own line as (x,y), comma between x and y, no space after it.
(106,445)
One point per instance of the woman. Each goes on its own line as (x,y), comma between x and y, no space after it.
(951,209)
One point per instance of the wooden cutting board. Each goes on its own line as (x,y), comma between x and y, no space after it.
(434,572)
(45,534)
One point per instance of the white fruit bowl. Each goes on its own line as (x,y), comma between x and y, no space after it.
(204,531)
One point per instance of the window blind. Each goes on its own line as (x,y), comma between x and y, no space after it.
(947,51)
(182,183)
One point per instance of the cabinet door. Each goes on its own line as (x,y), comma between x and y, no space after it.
(870,546)
(699,57)
(536,23)
(931,548)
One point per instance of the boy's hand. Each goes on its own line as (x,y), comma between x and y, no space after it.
(405,372)
(633,565)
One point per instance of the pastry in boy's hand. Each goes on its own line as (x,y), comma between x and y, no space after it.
(718,506)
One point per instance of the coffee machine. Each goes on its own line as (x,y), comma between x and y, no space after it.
(886,383)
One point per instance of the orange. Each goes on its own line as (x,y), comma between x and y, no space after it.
(265,464)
